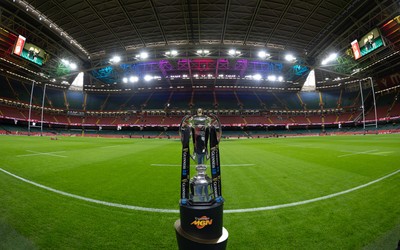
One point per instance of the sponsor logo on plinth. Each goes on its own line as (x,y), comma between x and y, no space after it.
(201,222)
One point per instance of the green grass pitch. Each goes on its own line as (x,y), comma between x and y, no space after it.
(257,173)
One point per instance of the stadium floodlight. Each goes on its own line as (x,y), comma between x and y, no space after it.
(171,53)
(144,55)
(73,66)
(148,78)
(332,57)
(290,58)
(115,59)
(263,54)
(65,62)
(133,79)
(125,80)
(257,77)
(234,52)
(202,52)
(272,78)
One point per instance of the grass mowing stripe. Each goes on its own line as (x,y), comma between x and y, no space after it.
(111,204)
(310,200)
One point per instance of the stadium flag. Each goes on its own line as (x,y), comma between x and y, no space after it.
(309,84)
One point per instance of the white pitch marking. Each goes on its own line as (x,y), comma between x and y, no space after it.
(113,146)
(224,165)
(237,165)
(165,165)
(41,153)
(105,203)
(383,153)
(160,210)
(293,204)
(359,153)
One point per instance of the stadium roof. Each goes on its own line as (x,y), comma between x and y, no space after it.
(214,40)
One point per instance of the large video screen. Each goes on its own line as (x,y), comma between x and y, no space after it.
(370,42)
(29,51)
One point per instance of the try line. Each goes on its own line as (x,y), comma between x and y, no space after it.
(225,165)
(160,210)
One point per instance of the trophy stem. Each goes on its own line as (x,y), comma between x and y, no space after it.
(201,205)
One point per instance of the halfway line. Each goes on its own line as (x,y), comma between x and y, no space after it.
(359,153)
(40,153)
(159,210)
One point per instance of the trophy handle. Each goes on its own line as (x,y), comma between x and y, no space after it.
(184,122)
(216,123)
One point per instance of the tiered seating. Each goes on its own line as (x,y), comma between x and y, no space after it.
(395,111)
(11,112)
(158,100)
(74,120)
(290,100)
(88,120)
(22,91)
(203,99)
(232,120)
(137,100)
(310,99)
(37,98)
(271,103)
(5,90)
(350,99)
(151,120)
(55,98)
(280,119)
(172,120)
(380,111)
(331,118)
(330,98)
(226,100)
(107,121)
(94,101)
(75,100)
(300,119)
(254,120)
(180,100)
(113,103)
(315,119)
(60,119)
(249,100)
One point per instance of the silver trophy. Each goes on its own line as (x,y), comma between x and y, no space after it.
(201,204)
(205,132)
